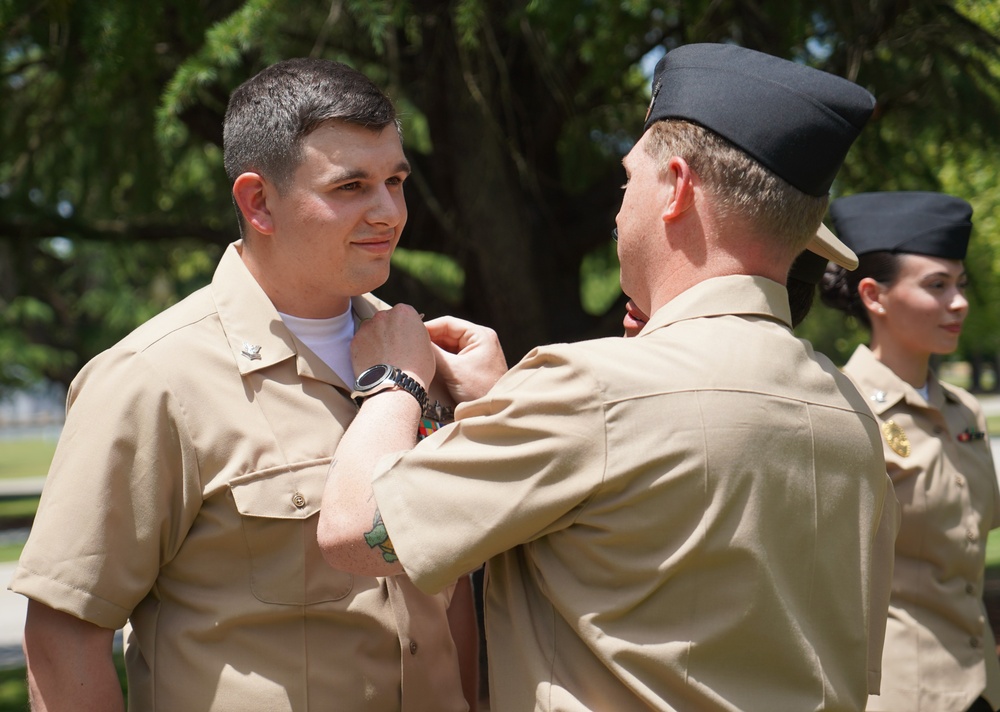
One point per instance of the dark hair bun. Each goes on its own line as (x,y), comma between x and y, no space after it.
(836,291)
(839,288)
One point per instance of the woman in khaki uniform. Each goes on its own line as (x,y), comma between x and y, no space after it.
(910,290)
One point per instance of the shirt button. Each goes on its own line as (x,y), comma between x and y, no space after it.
(938,430)
(971,535)
(970,589)
(298,500)
(413,647)
(959,480)
(974,642)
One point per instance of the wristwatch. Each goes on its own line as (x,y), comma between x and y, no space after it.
(382,377)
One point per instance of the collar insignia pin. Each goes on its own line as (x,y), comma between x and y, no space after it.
(251,351)
(879,397)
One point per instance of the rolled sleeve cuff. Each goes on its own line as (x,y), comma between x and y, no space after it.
(418,561)
(68,599)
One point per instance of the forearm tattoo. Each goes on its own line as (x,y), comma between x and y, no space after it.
(379,537)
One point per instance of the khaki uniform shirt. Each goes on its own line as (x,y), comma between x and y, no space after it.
(184,497)
(686,520)
(939,650)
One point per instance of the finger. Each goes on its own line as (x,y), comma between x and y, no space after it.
(398,314)
(442,362)
(450,333)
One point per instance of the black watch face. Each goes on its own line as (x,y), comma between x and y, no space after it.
(373,376)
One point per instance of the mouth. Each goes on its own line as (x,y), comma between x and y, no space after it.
(952,328)
(376,245)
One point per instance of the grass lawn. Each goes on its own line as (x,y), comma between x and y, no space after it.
(10,553)
(26,458)
(993,552)
(21,458)
(19,509)
(13,690)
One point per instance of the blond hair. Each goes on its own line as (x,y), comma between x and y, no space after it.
(740,187)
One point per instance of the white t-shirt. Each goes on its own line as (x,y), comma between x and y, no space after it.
(330,339)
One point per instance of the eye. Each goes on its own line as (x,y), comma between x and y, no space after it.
(396,180)
(354,185)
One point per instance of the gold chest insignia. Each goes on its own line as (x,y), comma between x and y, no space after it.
(896,438)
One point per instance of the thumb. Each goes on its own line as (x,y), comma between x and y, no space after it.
(443,361)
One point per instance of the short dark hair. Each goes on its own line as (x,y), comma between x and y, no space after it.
(839,288)
(270,113)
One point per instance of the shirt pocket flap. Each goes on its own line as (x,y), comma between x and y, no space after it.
(292,492)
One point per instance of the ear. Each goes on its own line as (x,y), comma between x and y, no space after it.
(681,177)
(250,193)
(871,295)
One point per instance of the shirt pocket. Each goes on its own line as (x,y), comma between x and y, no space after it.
(279,511)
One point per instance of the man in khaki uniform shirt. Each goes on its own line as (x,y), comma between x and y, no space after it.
(697,518)
(184,493)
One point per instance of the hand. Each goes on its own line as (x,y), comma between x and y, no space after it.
(397,337)
(469,357)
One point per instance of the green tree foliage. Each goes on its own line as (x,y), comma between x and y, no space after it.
(935,69)
(113,202)
(99,228)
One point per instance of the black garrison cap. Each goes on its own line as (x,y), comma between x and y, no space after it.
(917,222)
(795,120)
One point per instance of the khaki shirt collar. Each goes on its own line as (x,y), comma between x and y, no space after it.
(256,334)
(734,294)
(883,389)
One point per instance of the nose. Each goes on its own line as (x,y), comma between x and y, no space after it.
(959,303)
(388,206)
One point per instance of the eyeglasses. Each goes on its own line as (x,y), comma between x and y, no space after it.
(614,234)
